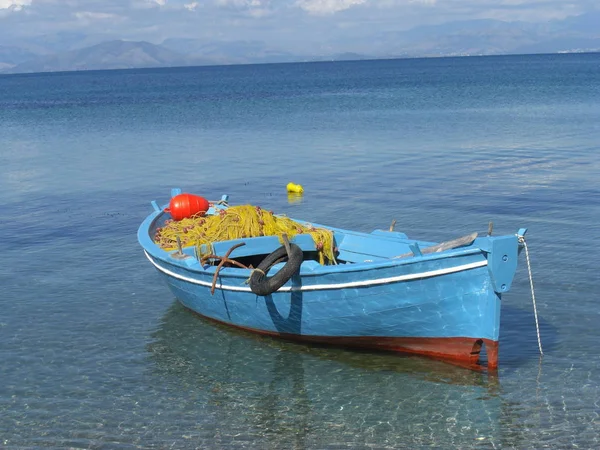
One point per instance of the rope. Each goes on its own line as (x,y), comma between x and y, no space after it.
(251,273)
(537,325)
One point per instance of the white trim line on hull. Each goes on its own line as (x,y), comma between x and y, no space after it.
(322,287)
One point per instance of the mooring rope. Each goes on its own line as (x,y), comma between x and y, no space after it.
(537,325)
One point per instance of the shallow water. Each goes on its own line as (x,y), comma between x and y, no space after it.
(95,351)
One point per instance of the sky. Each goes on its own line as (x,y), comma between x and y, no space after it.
(296,23)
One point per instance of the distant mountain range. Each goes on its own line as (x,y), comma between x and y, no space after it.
(78,51)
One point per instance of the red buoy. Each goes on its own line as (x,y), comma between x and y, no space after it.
(183,206)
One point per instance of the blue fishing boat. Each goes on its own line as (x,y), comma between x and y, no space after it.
(382,291)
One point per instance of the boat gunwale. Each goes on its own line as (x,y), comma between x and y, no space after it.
(321,287)
(151,248)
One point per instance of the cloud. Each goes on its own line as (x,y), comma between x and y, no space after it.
(253,8)
(191,6)
(16,5)
(87,17)
(94,15)
(324,7)
(244,3)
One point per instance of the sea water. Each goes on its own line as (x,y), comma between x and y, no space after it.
(96,353)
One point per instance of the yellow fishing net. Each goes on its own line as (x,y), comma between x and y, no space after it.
(238,222)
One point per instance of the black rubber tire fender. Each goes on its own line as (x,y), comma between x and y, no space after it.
(263,285)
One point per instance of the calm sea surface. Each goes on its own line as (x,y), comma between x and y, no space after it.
(96,353)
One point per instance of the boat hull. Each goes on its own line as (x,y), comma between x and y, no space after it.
(462,351)
(444,308)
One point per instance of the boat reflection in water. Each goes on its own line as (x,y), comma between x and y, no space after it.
(281,394)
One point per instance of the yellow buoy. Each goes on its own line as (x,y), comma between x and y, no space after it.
(293,187)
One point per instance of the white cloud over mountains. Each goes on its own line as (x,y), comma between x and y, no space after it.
(308,6)
(299,21)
